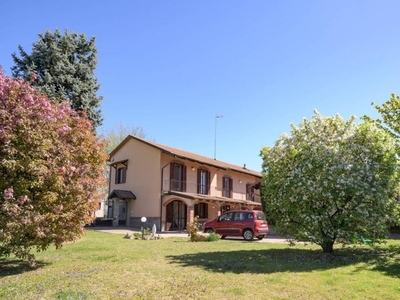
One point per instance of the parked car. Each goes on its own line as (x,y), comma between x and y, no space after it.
(246,223)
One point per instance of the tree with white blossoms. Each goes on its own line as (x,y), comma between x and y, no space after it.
(331,180)
(389,120)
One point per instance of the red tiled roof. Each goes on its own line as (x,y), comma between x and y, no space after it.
(190,156)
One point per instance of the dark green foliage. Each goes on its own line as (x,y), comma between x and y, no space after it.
(62,66)
(213,237)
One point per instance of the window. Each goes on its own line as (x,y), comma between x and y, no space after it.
(227,187)
(201,210)
(226,217)
(250,191)
(241,216)
(120,175)
(203,182)
(178,177)
(176,215)
(260,215)
(225,208)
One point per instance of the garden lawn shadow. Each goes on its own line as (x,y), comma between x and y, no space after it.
(385,260)
(16,266)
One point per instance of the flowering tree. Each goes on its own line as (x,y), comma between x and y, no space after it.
(389,120)
(331,180)
(51,165)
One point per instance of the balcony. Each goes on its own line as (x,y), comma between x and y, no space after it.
(195,188)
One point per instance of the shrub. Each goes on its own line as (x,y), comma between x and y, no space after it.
(193,228)
(213,237)
(51,168)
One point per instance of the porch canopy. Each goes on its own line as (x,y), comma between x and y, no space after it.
(213,199)
(122,194)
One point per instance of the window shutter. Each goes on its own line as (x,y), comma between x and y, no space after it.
(198,181)
(116,175)
(170,213)
(184,179)
(230,187)
(223,183)
(171,176)
(208,182)
(124,175)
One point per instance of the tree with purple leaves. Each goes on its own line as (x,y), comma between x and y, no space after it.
(51,168)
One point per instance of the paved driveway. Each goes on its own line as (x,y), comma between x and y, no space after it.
(181,234)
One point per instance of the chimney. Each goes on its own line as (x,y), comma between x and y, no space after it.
(244,166)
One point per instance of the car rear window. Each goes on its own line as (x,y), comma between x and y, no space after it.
(260,215)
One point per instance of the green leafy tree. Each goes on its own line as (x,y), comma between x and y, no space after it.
(64,68)
(331,180)
(51,168)
(115,135)
(390,121)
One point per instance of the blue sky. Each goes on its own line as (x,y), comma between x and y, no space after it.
(171,66)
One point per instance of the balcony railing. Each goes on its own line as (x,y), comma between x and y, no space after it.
(195,188)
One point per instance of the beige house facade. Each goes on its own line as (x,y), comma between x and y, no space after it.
(169,187)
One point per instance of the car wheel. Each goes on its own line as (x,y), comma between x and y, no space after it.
(208,230)
(223,236)
(260,237)
(248,234)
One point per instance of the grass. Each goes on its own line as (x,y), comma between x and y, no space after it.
(106,266)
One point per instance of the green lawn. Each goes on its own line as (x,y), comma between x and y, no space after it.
(106,266)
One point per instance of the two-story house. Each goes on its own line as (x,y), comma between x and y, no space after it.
(170,187)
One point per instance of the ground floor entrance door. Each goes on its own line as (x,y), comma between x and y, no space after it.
(176,215)
(122,213)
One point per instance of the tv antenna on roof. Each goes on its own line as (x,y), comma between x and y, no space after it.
(215,136)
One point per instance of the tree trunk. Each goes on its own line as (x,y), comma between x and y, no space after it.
(327,246)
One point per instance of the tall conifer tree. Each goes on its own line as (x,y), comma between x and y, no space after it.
(62,66)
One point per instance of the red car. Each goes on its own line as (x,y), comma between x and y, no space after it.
(246,223)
